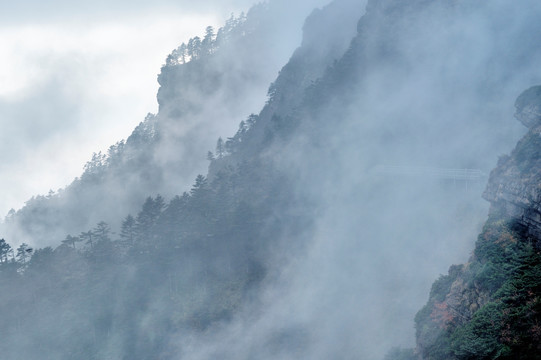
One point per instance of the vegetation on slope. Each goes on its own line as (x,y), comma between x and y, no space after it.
(173,269)
(490,308)
(506,269)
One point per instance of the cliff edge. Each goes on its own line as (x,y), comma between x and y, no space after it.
(514,187)
(490,307)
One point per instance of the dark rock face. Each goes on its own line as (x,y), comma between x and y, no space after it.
(463,300)
(528,107)
(489,307)
(514,187)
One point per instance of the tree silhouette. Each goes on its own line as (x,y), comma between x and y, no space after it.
(127,231)
(24,252)
(102,231)
(5,250)
(89,237)
(207,45)
(220,148)
(147,217)
(71,240)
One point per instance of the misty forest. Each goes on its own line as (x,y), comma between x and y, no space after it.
(383,202)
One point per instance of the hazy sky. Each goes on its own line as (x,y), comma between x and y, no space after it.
(75,77)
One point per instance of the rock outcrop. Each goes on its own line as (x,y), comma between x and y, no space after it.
(514,187)
(528,107)
(490,307)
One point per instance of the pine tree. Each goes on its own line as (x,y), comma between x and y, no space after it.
(220,148)
(71,240)
(89,237)
(207,45)
(147,217)
(24,252)
(103,250)
(127,231)
(201,184)
(102,231)
(5,250)
(182,53)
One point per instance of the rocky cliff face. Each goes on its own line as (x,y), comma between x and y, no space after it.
(491,307)
(514,188)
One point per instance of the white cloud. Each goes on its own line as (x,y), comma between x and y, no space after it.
(70,88)
(36,11)
(75,77)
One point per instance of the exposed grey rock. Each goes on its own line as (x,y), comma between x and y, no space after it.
(528,107)
(514,192)
(514,189)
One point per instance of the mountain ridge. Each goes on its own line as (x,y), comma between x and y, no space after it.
(292,246)
(167,150)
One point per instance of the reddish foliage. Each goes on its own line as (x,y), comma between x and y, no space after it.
(441,314)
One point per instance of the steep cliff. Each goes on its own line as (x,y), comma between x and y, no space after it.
(491,307)
(202,96)
(514,188)
(176,269)
(291,247)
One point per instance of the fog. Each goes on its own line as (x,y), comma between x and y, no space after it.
(76,78)
(435,89)
(37,11)
(377,126)
(74,86)
(98,101)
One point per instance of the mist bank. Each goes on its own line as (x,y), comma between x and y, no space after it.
(199,101)
(423,85)
(489,306)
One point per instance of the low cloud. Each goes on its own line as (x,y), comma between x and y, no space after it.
(68,90)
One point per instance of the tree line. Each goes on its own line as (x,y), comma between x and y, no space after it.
(198,47)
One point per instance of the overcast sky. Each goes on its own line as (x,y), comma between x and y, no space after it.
(77,76)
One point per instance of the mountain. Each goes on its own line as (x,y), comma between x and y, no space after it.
(219,82)
(321,222)
(178,267)
(490,307)
(422,86)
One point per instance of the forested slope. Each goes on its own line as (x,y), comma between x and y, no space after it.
(207,87)
(296,244)
(490,307)
(178,266)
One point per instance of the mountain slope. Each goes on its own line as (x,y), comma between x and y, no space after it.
(175,269)
(490,307)
(407,93)
(201,97)
(297,244)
